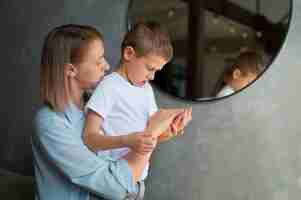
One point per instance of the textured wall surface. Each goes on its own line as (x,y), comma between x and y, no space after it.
(243,147)
(246,147)
(23,27)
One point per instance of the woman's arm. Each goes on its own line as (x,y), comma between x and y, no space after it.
(158,123)
(59,145)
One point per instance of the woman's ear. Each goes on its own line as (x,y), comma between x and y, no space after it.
(70,70)
(128,53)
(236,74)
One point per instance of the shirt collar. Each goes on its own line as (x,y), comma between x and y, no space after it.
(73,113)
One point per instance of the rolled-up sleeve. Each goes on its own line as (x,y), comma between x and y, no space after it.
(101,179)
(66,151)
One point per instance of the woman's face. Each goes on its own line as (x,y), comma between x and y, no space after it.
(93,65)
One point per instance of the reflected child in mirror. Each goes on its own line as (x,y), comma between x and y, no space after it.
(246,68)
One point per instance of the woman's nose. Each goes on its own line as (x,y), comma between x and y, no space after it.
(107,66)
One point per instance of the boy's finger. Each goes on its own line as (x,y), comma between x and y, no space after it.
(181,132)
(190,112)
(179,119)
(173,128)
(147,135)
(149,148)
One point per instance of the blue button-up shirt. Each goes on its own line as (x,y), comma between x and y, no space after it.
(66,169)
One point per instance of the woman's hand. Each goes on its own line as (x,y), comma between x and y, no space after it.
(142,143)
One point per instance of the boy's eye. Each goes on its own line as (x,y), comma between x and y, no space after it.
(150,69)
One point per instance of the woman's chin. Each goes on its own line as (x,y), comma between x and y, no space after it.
(95,84)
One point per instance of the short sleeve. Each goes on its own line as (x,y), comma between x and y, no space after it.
(152,101)
(102,100)
(225,91)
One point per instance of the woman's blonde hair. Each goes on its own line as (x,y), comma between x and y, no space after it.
(63,45)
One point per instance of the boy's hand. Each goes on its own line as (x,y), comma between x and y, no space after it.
(167,135)
(181,121)
(177,126)
(161,121)
(142,143)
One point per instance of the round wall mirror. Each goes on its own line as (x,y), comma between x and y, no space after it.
(220,46)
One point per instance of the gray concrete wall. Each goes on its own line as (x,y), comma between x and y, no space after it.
(24,24)
(245,147)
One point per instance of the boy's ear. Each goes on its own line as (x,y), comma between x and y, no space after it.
(70,70)
(236,74)
(128,53)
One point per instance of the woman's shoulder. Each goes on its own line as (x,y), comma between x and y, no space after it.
(45,117)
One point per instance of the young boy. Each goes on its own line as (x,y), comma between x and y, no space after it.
(245,69)
(124,101)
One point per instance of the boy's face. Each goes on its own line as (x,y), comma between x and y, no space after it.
(242,80)
(143,69)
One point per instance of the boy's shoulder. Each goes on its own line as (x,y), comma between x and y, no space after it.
(110,82)
(110,78)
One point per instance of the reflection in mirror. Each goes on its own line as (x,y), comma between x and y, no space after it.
(220,46)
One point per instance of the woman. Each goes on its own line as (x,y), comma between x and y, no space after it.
(73,62)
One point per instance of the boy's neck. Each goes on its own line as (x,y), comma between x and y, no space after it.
(122,71)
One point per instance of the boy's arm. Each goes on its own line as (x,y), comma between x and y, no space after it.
(94,136)
(96,140)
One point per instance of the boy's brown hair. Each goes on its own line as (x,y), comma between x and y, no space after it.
(247,62)
(149,38)
(64,44)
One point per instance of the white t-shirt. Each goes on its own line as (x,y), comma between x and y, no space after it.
(124,107)
(225,91)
